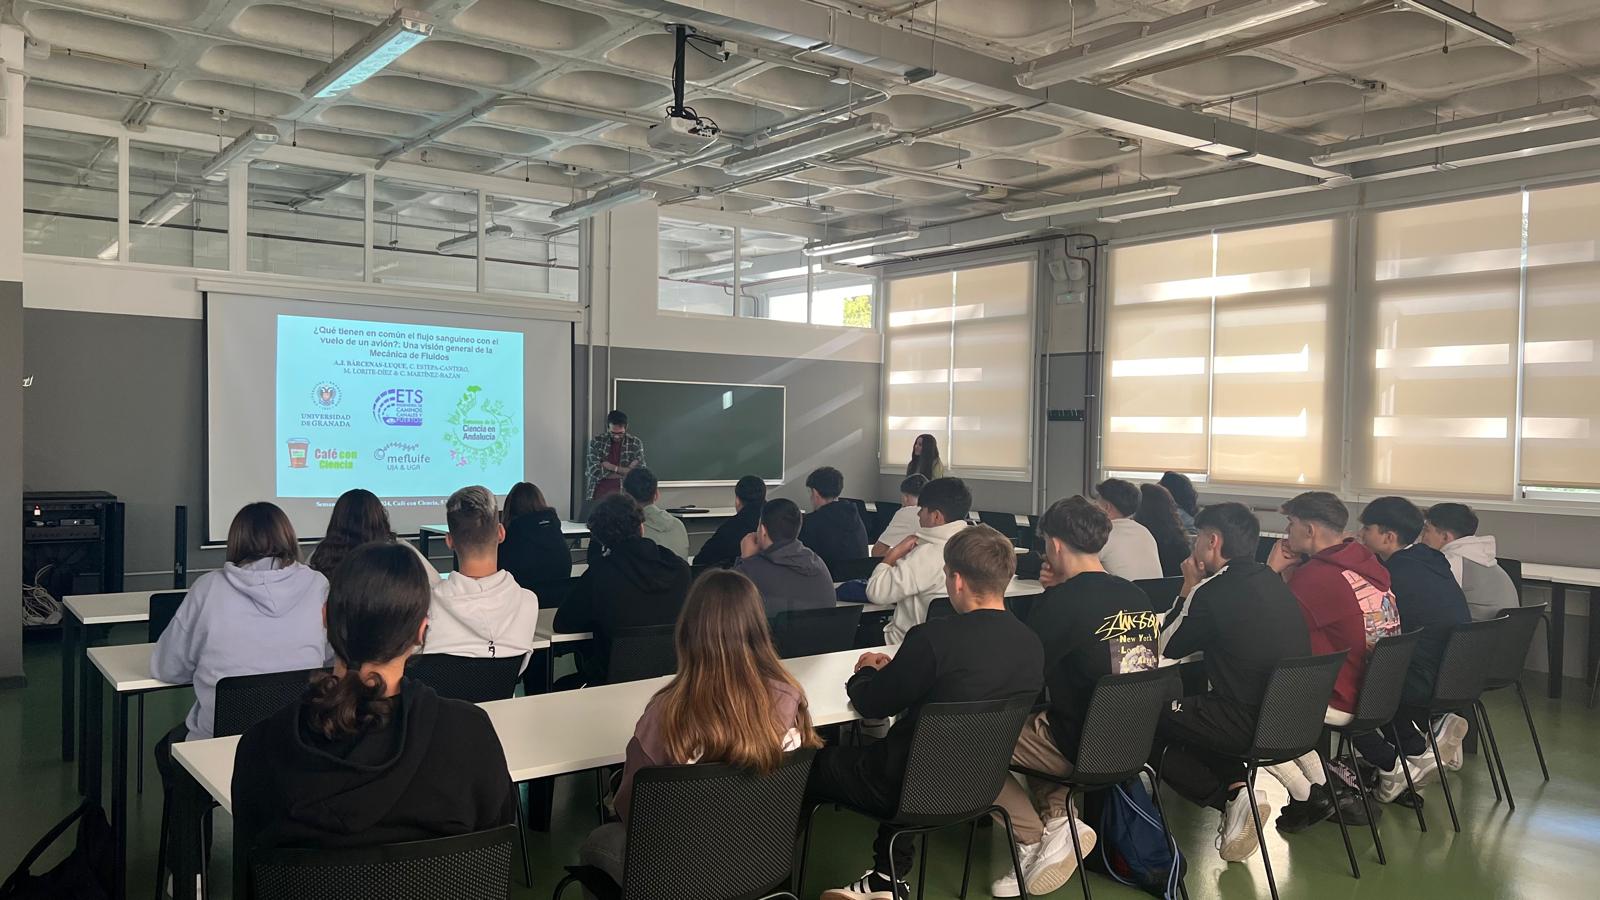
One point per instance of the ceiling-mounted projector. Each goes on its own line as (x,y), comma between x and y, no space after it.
(678,135)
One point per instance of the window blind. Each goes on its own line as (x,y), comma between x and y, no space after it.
(1561,376)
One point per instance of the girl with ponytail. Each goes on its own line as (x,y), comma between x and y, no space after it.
(368,756)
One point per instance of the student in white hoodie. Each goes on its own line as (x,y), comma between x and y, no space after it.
(480,610)
(1131,551)
(912,573)
(1452,529)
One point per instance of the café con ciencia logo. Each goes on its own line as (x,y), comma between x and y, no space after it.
(399,407)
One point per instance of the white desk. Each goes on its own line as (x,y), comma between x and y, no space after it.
(85,611)
(569,530)
(1559,578)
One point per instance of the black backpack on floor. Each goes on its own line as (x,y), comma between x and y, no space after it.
(85,874)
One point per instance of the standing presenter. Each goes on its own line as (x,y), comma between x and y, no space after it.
(613,453)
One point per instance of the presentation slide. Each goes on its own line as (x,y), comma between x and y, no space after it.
(308,399)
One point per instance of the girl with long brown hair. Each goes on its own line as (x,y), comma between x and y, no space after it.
(925,459)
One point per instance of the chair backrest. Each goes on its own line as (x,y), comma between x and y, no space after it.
(959,757)
(1513,568)
(1120,726)
(244,700)
(1469,652)
(852,569)
(713,831)
(861,510)
(467,678)
(163,607)
(1264,545)
(643,652)
(1163,592)
(1511,654)
(1294,705)
(1003,522)
(461,867)
(808,632)
(1383,680)
(881,519)
(939,608)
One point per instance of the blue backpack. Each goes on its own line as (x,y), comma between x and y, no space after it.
(1133,846)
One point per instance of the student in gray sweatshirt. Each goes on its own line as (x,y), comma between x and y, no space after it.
(788,575)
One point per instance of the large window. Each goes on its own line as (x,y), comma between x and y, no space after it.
(1223,356)
(69,193)
(959,354)
(425,235)
(1561,374)
(176,217)
(306,221)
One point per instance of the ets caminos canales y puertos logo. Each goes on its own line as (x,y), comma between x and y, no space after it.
(399,406)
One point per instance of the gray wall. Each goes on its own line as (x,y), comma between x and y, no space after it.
(11,467)
(117,405)
(832,412)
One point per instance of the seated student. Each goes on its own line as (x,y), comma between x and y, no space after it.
(664,528)
(1091,624)
(722,548)
(1159,515)
(904,523)
(788,575)
(358,517)
(262,612)
(1430,599)
(534,551)
(833,530)
(1343,591)
(1452,529)
(982,653)
(369,756)
(633,582)
(1242,616)
(480,610)
(1184,495)
(731,702)
(912,574)
(1131,551)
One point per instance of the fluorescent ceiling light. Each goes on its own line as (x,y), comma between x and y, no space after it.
(721,268)
(1095,201)
(245,147)
(469,239)
(370,55)
(599,203)
(1196,26)
(807,145)
(1460,18)
(109,251)
(1463,131)
(829,248)
(160,210)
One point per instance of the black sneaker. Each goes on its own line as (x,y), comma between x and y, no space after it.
(1352,810)
(1302,814)
(870,886)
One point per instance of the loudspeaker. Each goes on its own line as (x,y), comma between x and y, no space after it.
(180,548)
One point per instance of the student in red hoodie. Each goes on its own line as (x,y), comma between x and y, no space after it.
(1343,591)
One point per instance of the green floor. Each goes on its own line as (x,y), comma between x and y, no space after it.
(1545,849)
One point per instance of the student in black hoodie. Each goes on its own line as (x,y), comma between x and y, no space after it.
(630,583)
(369,756)
(1242,616)
(534,551)
(833,530)
(722,548)
(1429,598)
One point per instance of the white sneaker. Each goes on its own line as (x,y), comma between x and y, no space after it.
(1055,863)
(1237,839)
(1449,732)
(1423,768)
(1006,885)
(870,886)
(1392,784)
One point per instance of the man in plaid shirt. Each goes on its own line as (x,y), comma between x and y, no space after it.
(613,453)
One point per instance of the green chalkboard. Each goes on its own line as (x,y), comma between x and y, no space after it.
(699,433)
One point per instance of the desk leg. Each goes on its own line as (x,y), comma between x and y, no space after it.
(1558,638)
(187,847)
(1594,636)
(91,737)
(71,649)
(119,797)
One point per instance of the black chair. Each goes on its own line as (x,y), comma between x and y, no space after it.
(939,608)
(808,632)
(163,607)
(462,867)
(1003,522)
(861,510)
(1163,592)
(1377,701)
(707,832)
(881,519)
(1264,545)
(1506,669)
(955,767)
(640,653)
(1463,674)
(474,680)
(1114,748)
(852,569)
(1513,568)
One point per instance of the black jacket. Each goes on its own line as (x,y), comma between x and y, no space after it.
(1245,620)
(536,555)
(436,769)
(722,548)
(835,533)
(1428,598)
(633,584)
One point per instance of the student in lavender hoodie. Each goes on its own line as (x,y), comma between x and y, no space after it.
(480,610)
(261,612)
(788,575)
